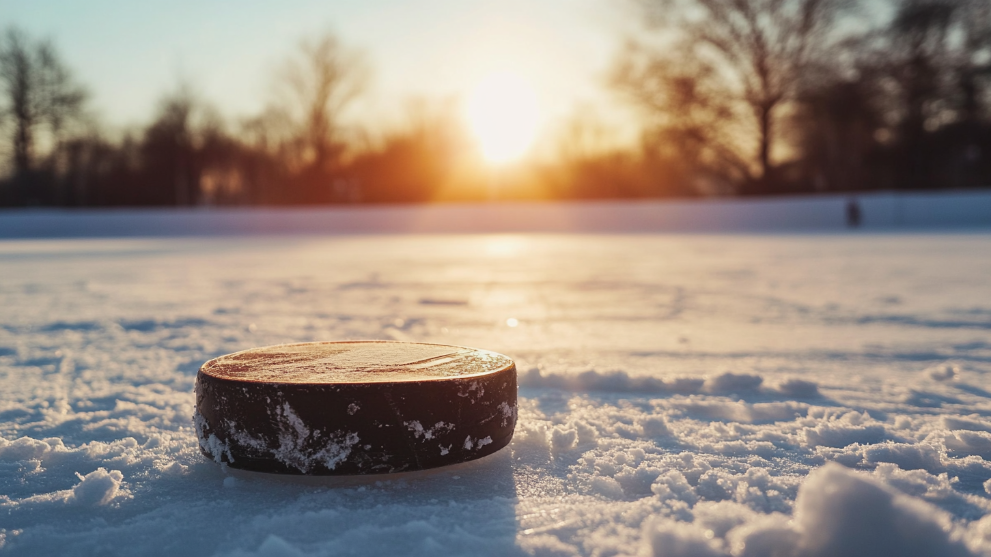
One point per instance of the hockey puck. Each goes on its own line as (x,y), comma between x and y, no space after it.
(369,407)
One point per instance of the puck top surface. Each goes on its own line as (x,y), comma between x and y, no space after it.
(354,362)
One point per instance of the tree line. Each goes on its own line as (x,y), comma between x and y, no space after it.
(779,96)
(734,97)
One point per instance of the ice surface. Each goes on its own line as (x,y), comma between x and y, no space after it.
(880,211)
(680,394)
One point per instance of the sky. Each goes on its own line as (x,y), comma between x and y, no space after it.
(129,54)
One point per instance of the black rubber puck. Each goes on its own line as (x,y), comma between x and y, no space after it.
(354,407)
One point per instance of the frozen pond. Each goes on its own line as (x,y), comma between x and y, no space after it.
(676,393)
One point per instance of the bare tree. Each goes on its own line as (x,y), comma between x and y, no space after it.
(972,62)
(317,85)
(169,151)
(935,53)
(39,95)
(932,69)
(721,83)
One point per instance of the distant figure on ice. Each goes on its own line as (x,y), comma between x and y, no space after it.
(852,213)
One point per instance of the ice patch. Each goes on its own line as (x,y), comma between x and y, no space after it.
(473,392)
(427,434)
(507,412)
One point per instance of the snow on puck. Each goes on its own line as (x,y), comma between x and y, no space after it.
(366,407)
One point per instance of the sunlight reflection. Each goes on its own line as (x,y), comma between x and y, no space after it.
(503,114)
(504,246)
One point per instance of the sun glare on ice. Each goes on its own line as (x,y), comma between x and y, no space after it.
(503,115)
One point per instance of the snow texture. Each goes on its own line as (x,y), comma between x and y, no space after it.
(759,395)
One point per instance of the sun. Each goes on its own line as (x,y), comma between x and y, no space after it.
(503,115)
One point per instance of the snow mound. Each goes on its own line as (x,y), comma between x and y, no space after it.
(838,512)
(621,382)
(99,487)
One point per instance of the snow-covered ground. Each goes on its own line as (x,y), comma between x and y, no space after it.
(681,394)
